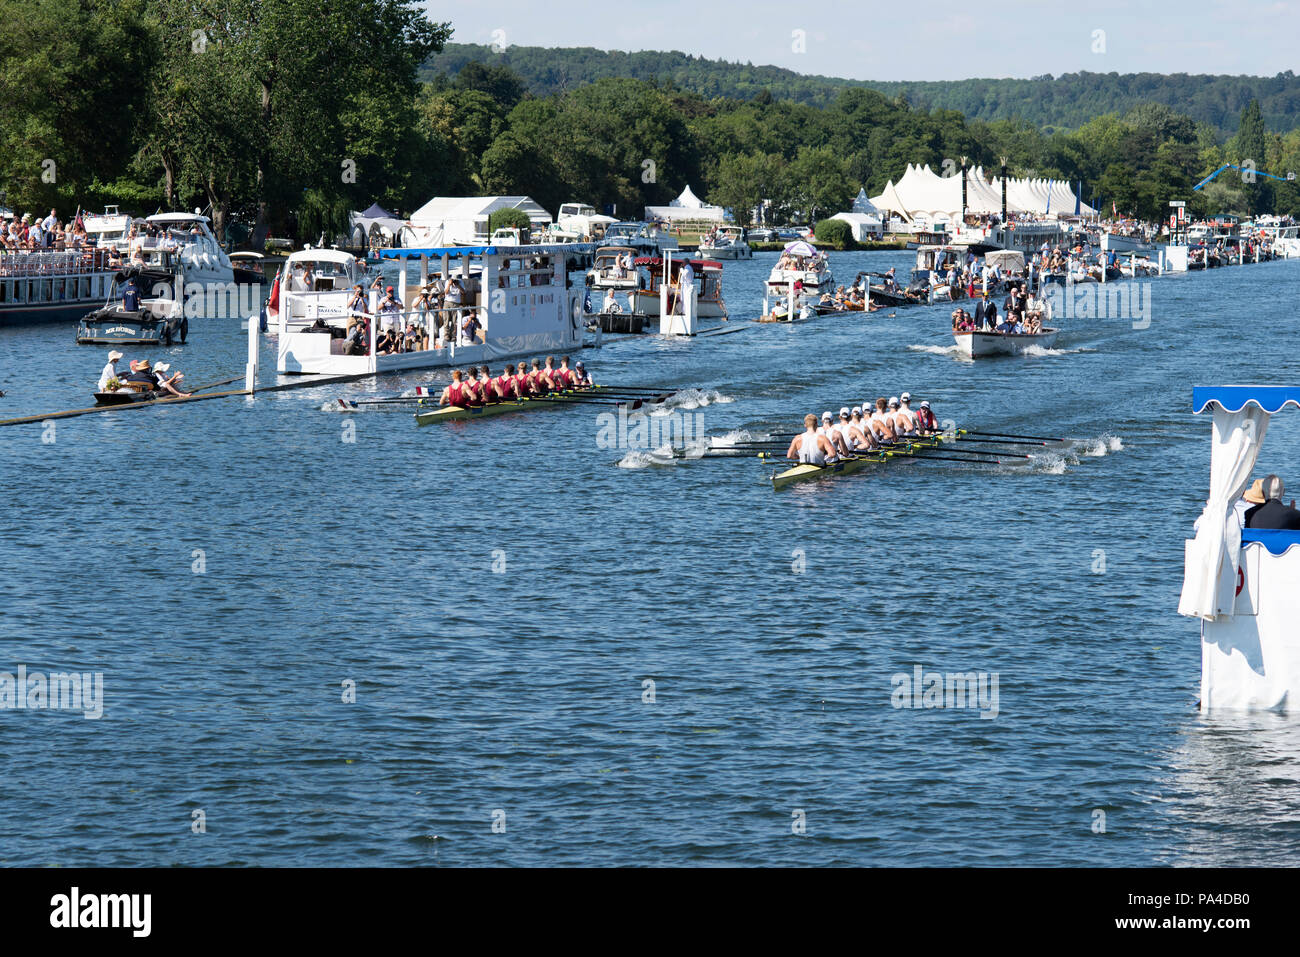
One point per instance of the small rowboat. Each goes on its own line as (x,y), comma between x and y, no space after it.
(125,397)
(977,345)
(803,472)
(454,413)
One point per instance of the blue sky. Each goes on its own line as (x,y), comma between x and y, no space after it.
(928,40)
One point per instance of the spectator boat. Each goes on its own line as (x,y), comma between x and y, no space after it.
(728,243)
(801,264)
(159,320)
(979,345)
(297,302)
(184,239)
(514,301)
(52,284)
(708,284)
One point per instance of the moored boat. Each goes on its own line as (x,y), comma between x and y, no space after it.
(727,242)
(159,319)
(802,267)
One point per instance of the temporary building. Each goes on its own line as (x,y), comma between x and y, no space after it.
(463,220)
(686,207)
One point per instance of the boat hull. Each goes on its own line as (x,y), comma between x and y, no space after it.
(740,251)
(977,345)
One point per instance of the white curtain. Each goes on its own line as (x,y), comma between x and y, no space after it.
(1237,437)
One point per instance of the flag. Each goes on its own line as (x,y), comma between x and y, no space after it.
(1078,198)
(1113,211)
(1049,197)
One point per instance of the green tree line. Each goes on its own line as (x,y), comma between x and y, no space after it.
(289,113)
(1062,102)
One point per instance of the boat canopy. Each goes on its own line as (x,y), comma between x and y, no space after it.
(1234,398)
(695,263)
(1241,417)
(455,252)
(321,255)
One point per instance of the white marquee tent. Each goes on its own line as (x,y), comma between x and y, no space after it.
(687,206)
(921,192)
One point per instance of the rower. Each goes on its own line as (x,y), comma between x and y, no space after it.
(832,434)
(582,378)
(540,381)
(810,447)
(863,426)
(565,374)
(505,384)
(488,386)
(523,384)
(853,436)
(905,413)
(553,374)
(454,394)
(897,421)
(110,371)
(880,423)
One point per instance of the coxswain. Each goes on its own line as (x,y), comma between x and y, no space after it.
(925,420)
(811,447)
(110,371)
(454,394)
(582,378)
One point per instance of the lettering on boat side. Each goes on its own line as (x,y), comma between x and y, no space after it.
(57,691)
(935,689)
(77,910)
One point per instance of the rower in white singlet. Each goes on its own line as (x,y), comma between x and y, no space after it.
(880,423)
(810,447)
(906,414)
(863,426)
(852,435)
(897,421)
(832,434)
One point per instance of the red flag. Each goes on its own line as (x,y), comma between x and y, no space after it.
(1112,208)
(273,302)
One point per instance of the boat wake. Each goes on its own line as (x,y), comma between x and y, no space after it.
(1056,462)
(953,350)
(1040,351)
(688,399)
(637,459)
(728,439)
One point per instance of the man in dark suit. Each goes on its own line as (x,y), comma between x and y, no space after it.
(986,313)
(1273,514)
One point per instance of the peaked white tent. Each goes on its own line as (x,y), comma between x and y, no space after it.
(462,220)
(687,206)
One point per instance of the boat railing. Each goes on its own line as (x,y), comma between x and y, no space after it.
(53,263)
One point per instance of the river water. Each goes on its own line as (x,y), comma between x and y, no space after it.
(563,653)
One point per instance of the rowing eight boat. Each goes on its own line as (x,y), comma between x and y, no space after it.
(804,471)
(452,413)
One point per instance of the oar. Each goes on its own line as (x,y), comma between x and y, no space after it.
(1007,435)
(1002,441)
(1002,452)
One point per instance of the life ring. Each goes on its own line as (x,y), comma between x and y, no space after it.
(574,313)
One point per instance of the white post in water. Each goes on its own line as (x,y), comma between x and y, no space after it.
(665,314)
(789,303)
(250,370)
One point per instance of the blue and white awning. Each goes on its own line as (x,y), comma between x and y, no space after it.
(1234,398)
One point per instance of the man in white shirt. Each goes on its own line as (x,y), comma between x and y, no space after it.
(49,223)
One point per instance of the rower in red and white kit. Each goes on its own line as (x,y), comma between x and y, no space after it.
(564,375)
(523,387)
(505,384)
(553,374)
(541,382)
(454,394)
(490,391)
(473,390)
(811,447)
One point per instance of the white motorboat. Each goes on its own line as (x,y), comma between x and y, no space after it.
(614,267)
(801,265)
(184,240)
(728,242)
(313,284)
(978,345)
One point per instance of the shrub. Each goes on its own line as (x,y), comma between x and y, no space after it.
(835,232)
(508,219)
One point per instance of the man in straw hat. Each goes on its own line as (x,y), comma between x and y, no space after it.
(110,371)
(1271,513)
